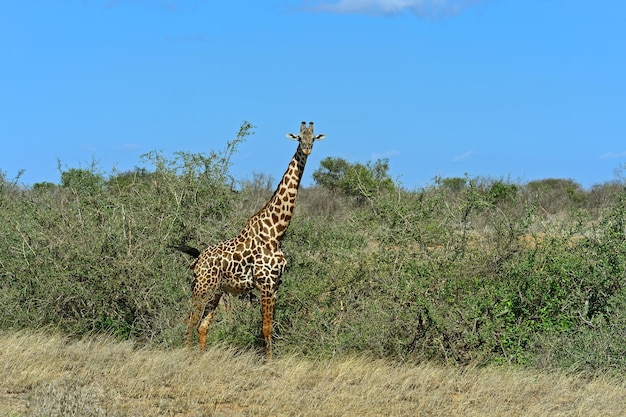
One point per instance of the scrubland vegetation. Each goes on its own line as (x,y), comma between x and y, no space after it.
(447,282)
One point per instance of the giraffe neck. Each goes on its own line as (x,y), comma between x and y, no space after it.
(275,216)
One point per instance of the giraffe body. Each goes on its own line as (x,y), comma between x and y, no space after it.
(253,258)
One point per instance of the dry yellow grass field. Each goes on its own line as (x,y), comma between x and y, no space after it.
(49,375)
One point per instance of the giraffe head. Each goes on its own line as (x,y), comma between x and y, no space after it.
(306,137)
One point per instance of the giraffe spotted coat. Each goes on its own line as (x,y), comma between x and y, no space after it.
(253,259)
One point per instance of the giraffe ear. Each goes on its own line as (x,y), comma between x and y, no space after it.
(292,136)
(320,137)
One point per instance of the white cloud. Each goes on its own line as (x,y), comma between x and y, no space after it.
(464,156)
(613,155)
(421,8)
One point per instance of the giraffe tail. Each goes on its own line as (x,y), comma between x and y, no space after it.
(193,252)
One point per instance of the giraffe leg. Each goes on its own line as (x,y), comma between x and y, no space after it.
(209,311)
(193,318)
(200,317)
(268,300)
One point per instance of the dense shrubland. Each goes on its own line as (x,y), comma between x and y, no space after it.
(466,270)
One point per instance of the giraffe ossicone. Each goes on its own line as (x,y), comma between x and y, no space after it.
(253,258)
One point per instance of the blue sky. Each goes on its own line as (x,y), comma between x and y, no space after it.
(519,90)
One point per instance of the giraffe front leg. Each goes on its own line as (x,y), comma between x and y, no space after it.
(268,300)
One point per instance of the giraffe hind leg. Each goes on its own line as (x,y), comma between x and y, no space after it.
(203,318)
(194,318)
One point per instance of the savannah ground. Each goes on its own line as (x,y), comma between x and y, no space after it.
(44,374)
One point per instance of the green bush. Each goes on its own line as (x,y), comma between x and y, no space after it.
(357,180)
(93,256)
(466,270)
(555,195)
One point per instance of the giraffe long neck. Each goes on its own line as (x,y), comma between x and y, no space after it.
(275,216)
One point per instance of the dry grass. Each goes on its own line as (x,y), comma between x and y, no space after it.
(46,374)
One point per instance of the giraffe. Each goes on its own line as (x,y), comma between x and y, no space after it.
(253,258)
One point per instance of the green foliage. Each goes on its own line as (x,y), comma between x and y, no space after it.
(456,277)
(603,195)
(82,181)
(555,195)
(357,180)
(500,191)
(454,184)
(331,172)
(466,270)
(92,255)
